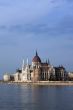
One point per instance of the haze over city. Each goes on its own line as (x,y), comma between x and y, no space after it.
(30,25)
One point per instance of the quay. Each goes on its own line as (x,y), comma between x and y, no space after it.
(48,83)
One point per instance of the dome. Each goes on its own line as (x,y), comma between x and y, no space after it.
(36,58)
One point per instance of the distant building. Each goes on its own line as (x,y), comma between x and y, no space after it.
(41,71)
(70,76)
(6,77)
(37,71)
(60,73)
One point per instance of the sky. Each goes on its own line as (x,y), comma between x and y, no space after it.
(30,25)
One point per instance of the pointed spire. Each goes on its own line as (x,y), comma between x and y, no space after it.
(36,53)
(23,62)
(23,65)
(27,62)
(48,62)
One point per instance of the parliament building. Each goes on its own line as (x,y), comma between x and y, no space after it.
(37,71)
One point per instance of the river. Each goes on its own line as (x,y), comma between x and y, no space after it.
(28,97)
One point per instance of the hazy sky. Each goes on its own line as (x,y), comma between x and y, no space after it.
(27,25)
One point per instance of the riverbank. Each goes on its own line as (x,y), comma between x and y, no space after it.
(49,83)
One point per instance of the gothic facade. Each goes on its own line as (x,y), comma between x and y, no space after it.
(37,71)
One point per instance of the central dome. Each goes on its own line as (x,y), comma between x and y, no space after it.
(36,58)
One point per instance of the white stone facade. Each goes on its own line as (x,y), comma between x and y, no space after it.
(37,71)
(6,77)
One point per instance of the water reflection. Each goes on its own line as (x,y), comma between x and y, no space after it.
(44,97)
(26,97)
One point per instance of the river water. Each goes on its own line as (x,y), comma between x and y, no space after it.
(27,97)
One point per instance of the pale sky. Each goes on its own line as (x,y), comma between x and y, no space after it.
(27,25)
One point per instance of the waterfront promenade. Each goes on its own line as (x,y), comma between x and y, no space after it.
(49,83)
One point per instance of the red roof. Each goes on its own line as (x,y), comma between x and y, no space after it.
(36,58)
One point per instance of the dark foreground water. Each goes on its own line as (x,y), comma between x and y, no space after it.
(26,97)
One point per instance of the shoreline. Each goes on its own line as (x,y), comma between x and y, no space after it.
(44,83)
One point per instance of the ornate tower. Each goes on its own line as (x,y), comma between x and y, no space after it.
(36,61)
(23,66)
(36,64)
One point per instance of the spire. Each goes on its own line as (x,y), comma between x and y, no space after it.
(36,53)
(23,65)
(27,62)
(23,62)
(48,62)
